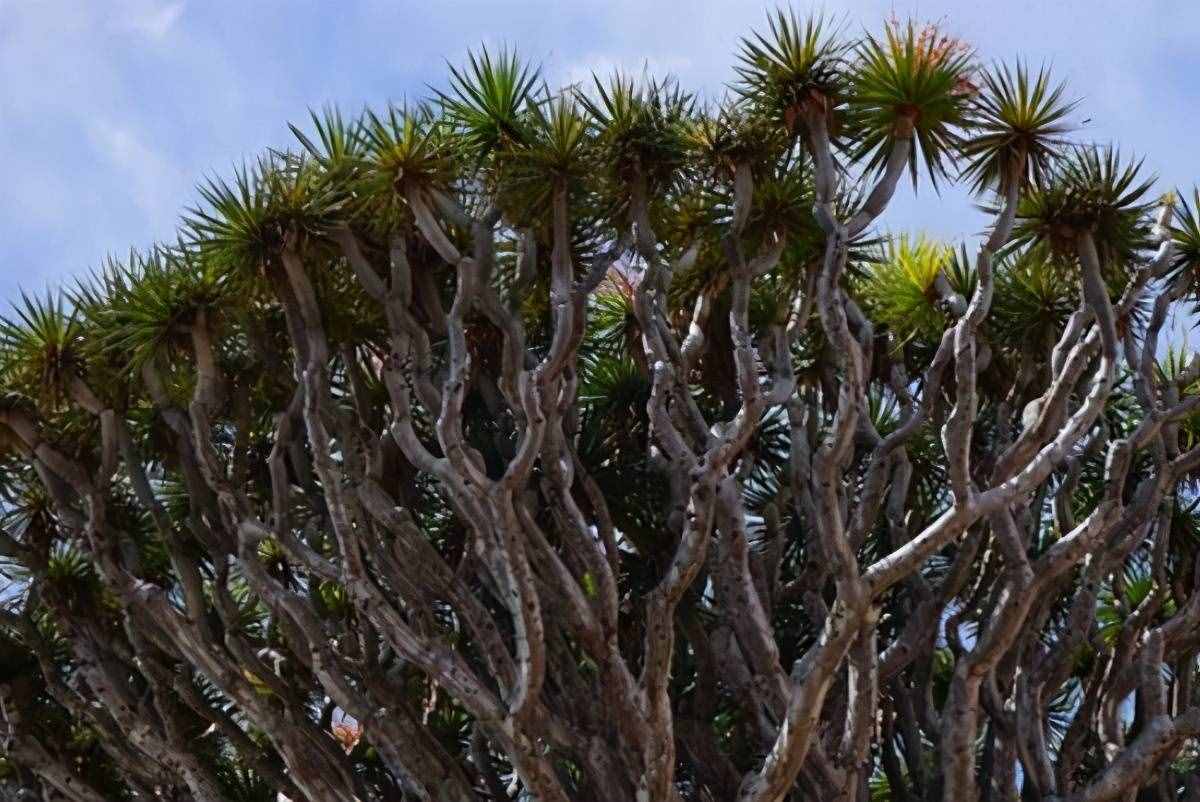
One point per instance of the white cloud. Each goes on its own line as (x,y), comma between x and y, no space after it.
(155,20)
(604,64)
(154,181)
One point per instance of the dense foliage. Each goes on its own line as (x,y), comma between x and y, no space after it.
(597,444)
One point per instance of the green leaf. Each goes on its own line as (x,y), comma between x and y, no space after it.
(796,65)
(916,81)
(487,99)
(1016,118)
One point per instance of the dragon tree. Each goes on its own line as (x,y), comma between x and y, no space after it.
(604,443)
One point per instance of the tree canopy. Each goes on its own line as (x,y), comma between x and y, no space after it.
(598,443)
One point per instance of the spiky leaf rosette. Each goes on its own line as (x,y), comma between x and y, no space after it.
(334,143)
(1016,119)
(241,227)
(405,148)
(487,102)
(769,301)
(798,65)
(1185,261)
(730,136)
(1034,297)
(144,309)
(914,81)
(690,215)
(900,291)
(1092,189)
(557,151)
(640,130)
(613,328)
(1175,365)
(783,201)
(40,348)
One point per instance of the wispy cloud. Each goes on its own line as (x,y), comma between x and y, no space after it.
(602,65)
(152,179)
(155,20)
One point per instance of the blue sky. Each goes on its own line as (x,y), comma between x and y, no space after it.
(112,110)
